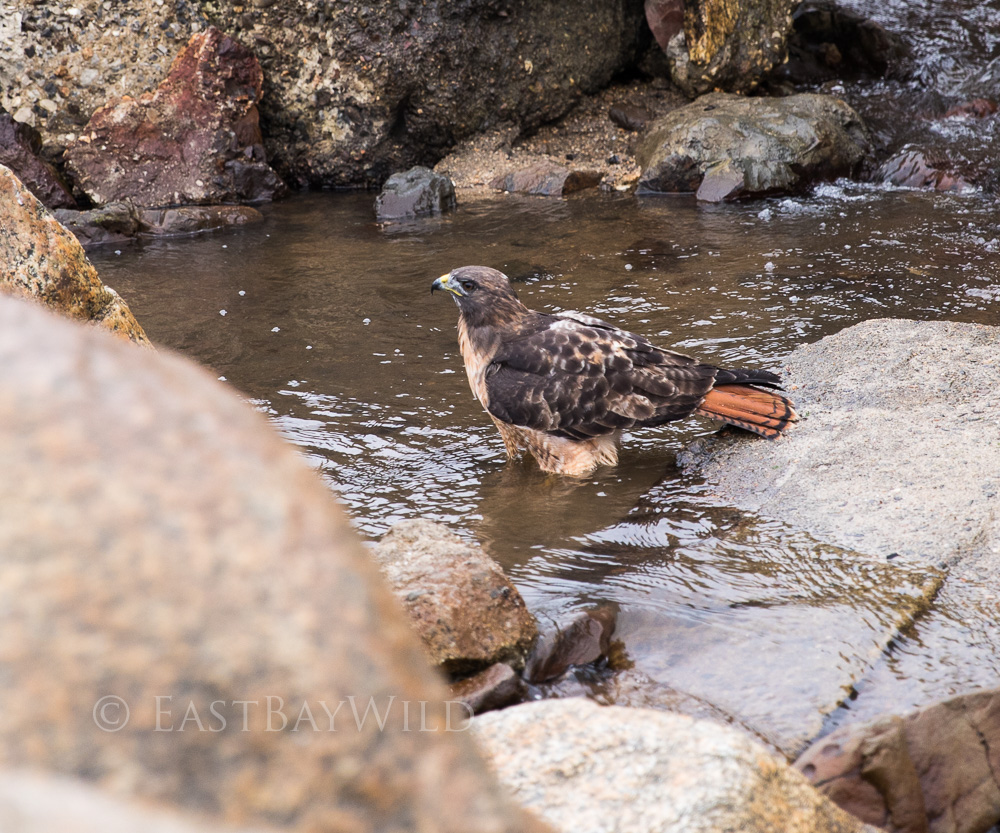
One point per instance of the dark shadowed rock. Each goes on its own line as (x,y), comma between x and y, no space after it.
(195,139)
(496,687)
(728,147)
(159,543)
(911,168)
(586,768)
(191,219)
(415,192)
(629,116)
(45,262)
(544,179)
(459,601)
(115,222)
(829,41)
(729,44)
(19,148)
(933,771)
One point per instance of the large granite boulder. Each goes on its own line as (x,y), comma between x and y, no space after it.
(593,769)
(728,147)
(43,261)
(188,619)
(20,145)
(466,611)
(353,91)
(195,139)
(936,770)
(727,44)
(897,418)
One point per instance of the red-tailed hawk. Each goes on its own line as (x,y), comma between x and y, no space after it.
(564,386)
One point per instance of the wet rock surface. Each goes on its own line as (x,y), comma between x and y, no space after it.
(195,139)
(465,610)
(158,540)
(584,640)
(43,261)
(413,193)
(583,767)
(20,145)
(544,180)
(729,45)
(932,771)
(912,169)
(728,147)
(849,472)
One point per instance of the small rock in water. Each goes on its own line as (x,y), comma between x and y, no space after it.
(416,192)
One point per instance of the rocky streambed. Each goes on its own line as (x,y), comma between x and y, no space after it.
(809,593)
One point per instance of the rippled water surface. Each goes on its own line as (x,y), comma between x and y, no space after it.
(324,319)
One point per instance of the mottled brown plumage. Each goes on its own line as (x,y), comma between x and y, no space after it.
(564,386)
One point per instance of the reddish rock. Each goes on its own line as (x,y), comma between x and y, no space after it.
(460,603)
(933,771)
(19,147)
(665,19)
(496,687)
(586,639)
(977,108)
(195,139)
(911,168)
(547,180)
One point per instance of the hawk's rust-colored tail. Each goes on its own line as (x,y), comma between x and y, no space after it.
(761,411)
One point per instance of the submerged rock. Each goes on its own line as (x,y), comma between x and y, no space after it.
(195,139)
(937,769)
(413,193)
(115,222)
(586,768)
(191,219)
(727,147)
(544,179)
(728,44)
(188,618)
(43,261)
(19,148)
(460,603)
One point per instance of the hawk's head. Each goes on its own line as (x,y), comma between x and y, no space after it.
(482,294)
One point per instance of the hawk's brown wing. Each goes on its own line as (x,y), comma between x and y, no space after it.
(577,377)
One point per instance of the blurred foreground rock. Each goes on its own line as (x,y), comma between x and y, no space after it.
(586,768)
(42,260)
(461,604)
(728,147)
(33,803)
(936,770)
(189,619)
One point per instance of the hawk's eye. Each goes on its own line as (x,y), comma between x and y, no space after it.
(468,286)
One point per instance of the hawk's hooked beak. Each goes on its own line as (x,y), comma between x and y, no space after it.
(448,285)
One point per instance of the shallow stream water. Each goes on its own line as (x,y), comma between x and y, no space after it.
(323,318)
